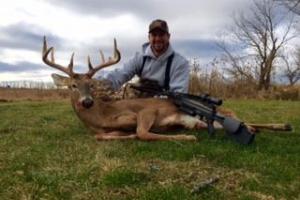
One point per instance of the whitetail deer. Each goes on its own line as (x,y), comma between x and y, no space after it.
(122,119)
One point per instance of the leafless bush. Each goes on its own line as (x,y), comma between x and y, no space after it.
(217,81)
(208,79)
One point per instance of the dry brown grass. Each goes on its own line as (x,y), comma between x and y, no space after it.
(21,94)
(220,87)
(215,85)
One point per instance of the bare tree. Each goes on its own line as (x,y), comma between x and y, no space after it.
(292,64)
(238,69)
(258,34)
(293,5)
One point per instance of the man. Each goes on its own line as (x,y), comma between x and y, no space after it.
(158,61)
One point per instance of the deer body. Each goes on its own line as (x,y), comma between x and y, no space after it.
(123,114)
(134,116)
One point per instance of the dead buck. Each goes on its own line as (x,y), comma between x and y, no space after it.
(122,119)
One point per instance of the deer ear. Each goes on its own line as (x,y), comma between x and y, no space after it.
(60,80)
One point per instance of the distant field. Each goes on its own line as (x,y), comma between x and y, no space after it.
(46,153)
(28,94)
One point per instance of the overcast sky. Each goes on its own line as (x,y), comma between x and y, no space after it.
(84,27)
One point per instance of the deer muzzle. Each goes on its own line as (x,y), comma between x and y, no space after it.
(87,102)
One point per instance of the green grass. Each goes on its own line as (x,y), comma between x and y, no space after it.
(47,153)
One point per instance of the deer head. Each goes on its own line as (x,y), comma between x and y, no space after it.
(82,86)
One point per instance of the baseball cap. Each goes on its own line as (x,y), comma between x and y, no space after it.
(159,24)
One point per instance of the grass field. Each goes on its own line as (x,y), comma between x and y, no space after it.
(46,153)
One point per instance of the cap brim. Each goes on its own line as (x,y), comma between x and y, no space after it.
(158,28)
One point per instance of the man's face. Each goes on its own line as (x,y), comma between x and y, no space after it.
(159,41)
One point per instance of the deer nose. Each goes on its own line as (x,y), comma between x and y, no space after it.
(87,103)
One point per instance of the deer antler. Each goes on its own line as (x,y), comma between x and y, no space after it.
(68,70)
(111,61)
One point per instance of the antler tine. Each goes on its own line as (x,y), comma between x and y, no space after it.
(90,64)
(116,51)
(70,66)
(68,70)
(44,45)
(52,56)
(111,61)
(102,56)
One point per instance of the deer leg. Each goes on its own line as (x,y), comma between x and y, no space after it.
(145,119)
(257,127)
(273,127)
(115,135)
(190,122)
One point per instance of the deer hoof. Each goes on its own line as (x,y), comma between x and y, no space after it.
(99,137)
(252,130)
